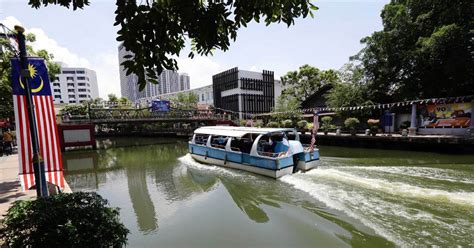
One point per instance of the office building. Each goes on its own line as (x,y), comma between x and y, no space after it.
(74,85)
(205,96)
(245,92)
(184,82)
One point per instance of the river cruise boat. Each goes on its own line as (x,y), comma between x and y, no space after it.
(273,152)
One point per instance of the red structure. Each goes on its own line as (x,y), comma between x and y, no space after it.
(77,135)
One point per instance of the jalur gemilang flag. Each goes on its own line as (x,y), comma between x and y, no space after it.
(45,122)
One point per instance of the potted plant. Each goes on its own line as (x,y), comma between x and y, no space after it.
(352,123)
(326,120)
(302,126)
(272,124)
(373,126)
(287,123)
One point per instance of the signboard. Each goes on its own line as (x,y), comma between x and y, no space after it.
(446,115)
(160,106)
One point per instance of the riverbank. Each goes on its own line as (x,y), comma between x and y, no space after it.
(10,188)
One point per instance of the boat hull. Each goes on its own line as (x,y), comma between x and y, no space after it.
(245,167)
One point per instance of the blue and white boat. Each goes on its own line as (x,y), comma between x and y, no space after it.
(265,151)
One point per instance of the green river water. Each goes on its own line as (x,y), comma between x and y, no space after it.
(355,198)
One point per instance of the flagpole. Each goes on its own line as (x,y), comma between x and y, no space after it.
(38,163)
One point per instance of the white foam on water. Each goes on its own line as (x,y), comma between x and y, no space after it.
(340,199)
(189,161)
(424,172)
(397,188)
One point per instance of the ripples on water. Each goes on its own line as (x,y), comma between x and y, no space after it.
(354,198)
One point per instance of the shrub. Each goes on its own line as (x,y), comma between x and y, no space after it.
(66,220)
(351,122)
(272,124)
(326,120)
(258,124)
(287,123)
(310,126)
(302,124)
(243,123)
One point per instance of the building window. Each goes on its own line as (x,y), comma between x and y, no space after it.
(81,78)
(81,72)
(72,101)
(202,97)
(87,78)
(57,90)
(72,96)
(70,90)
(83,96)
(56,84)
(69,72)
(56,79)
(70,78)
(81,84)
(57,96)
(82,90)
(70,84)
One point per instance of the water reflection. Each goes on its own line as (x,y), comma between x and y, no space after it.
(141,200)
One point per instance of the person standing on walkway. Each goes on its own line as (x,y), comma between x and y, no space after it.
(7,142)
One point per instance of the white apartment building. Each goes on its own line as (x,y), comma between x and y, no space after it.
(74,85)
(205,96)
(168,81)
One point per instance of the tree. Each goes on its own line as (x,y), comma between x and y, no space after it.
(155,31)
(306,81)
(424,50)
(7,51)
(112,98)
(186,100)
(287,107)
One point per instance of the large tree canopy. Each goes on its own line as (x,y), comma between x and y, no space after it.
(425,49)
(155,31)
(306,81)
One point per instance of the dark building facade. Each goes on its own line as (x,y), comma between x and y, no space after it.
(246,92)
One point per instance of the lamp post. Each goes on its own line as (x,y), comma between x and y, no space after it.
(38,163)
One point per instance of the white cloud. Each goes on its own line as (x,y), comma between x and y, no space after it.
(106,65)
(200,70)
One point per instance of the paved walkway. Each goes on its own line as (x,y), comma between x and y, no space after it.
(10,189)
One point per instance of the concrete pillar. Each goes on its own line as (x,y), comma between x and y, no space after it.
(412,128)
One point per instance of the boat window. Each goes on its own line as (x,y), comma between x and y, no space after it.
(275,145)
(219,142)
(243,144)
(201,139)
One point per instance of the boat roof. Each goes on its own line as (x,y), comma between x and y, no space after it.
(238,131)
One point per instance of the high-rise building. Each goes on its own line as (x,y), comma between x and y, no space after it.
(184,82)
(74,85)
(168,81)
(242,91)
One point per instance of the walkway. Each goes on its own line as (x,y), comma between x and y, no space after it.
(10,189)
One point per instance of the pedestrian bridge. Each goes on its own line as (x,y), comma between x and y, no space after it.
(134,115)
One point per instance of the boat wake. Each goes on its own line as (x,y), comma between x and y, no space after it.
(400,210)
(189,161)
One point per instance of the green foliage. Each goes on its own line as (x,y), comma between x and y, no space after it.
(302,124)
(74,109)
(272,124)
(155,31)
(243,123)
(351,122)
(112,98)
(326,122)
(306,81)
(287,123)
(287,107)
(259,124)
(186,100)
(424,50)
(66,220)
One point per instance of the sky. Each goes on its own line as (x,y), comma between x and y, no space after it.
(86,38)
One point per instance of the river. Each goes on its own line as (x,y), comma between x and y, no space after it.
(355,198)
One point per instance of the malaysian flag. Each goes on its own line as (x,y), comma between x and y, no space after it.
(45,121)
(315,130)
